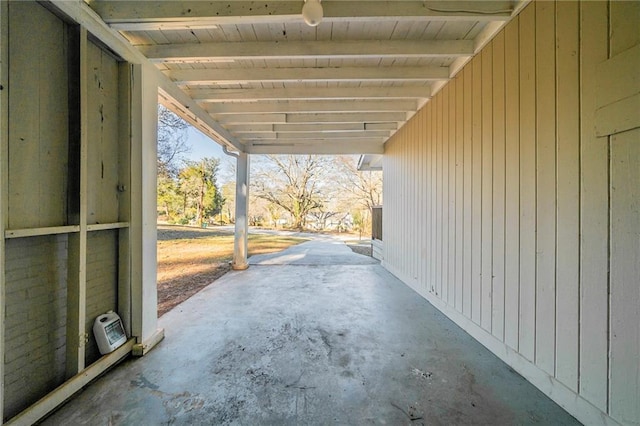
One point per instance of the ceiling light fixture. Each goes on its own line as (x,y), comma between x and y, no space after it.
(312,12)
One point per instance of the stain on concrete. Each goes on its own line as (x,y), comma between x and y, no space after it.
(142,382)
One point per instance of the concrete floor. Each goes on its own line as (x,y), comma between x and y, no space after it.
(315,335)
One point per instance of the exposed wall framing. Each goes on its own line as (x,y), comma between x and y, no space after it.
(65,202)
(4,116)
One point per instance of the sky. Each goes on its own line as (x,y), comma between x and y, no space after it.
(202,146)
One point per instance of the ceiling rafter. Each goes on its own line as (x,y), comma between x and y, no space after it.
(310,106)
(329,147)
(313,127)
(310,93)
(350,117)
(357,117)
(272,50)
(322,139)
(263,75)
(148,15)
(317,135)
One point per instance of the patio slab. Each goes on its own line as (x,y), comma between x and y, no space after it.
(314,335)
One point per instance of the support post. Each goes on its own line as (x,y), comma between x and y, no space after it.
(242,222)
(143,233)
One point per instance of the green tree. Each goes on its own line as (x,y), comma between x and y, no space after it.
(172,145)
(228,191)
(201,196)
(169,198)
(361,221)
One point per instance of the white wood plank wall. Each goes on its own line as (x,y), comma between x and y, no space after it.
(506,210)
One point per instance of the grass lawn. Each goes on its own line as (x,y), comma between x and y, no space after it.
(190,258)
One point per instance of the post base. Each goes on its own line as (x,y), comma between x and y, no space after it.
(239,266)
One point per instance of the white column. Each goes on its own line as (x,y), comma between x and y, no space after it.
(143,233)
(242,221)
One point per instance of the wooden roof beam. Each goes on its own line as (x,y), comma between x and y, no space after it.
(371,117)
(315,135)
(327,147)
(312,127)
(273,75)
(310,106)
(319,140)
(208,52)
(310,93)
(149,15)
(311,118)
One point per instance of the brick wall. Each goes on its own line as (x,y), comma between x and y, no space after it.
(102,283)
(36,315)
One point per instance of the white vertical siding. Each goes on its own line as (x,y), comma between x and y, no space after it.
(524,225)
(568,194)
(498,207)
(624,231)
(458,202)
(476,190)
(527,127)
(466,190)
(594,214)
(545,187)
(512,188)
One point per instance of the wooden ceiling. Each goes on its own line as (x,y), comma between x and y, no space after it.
(277,85)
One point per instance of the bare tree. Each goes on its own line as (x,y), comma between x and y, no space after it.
(295,183)
(365,187)
(172,142)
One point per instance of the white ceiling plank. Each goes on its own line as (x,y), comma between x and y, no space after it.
(326,128)
(312,127)
(226,95)
(250,118)
(132,15)
(310,106)
(196,52)
(321,127)
(250,128)
(330,135)
(380,126)
(347,117)
(323,148)
(214,76)
(311,118)
(298,128)
(318,140)
(258,136)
